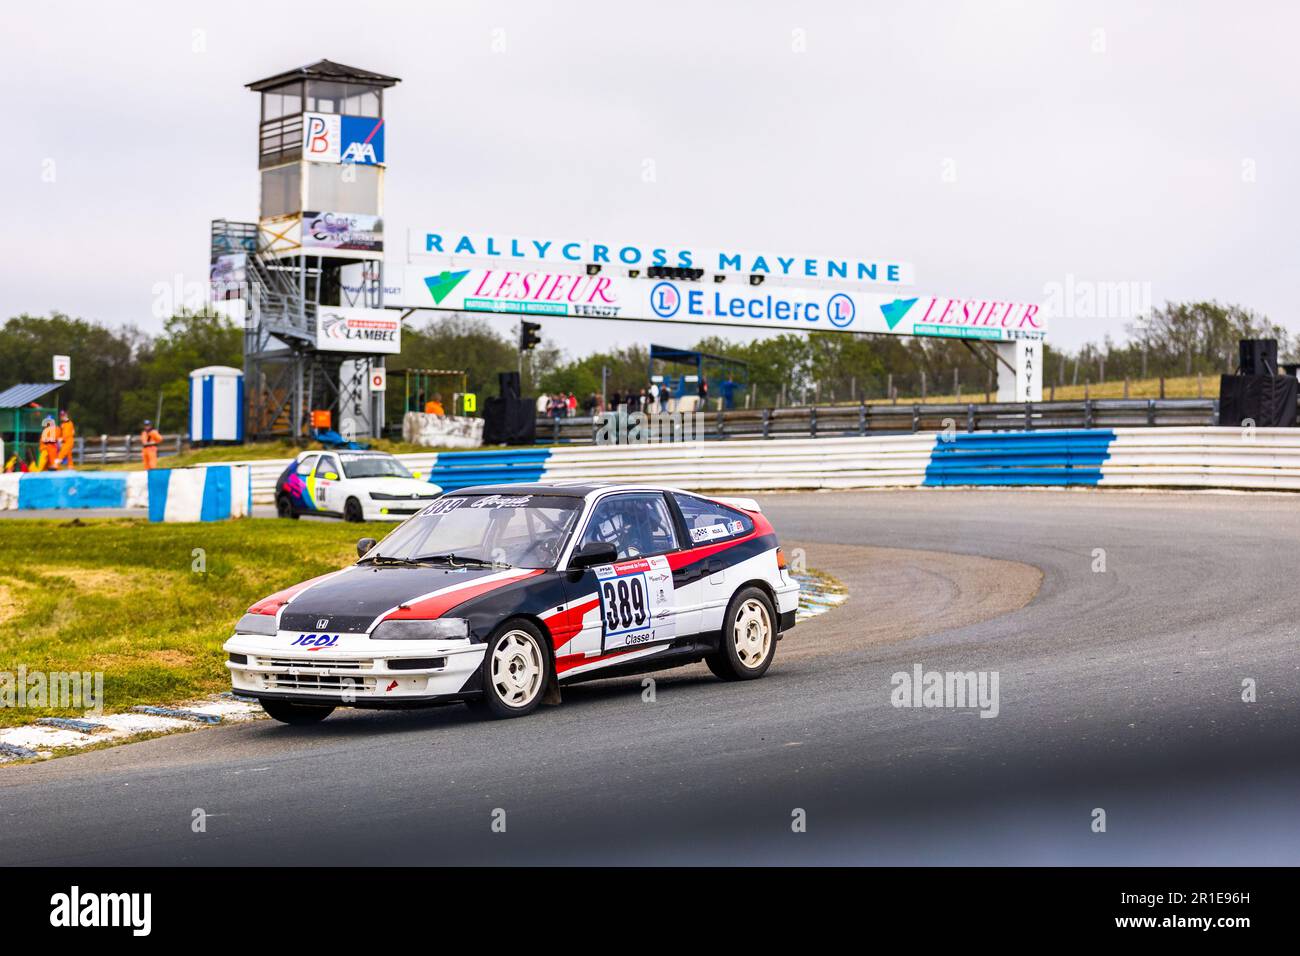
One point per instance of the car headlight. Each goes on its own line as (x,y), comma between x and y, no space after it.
(263,624)
(442,629)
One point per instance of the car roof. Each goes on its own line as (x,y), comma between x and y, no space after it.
(565,489)
(369,452)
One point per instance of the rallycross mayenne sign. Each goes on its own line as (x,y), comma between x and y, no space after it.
(637,255)
(798,309)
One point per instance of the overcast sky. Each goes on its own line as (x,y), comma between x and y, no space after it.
(1005,149)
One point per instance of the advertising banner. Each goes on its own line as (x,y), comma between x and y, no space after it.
(367,331)
(334,138)
(342,231)
(785,263)
(710,303)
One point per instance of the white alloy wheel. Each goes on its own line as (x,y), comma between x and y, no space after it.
(518,668)
(752,633)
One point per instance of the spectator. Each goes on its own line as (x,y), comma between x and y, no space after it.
(571,404)
(67,439)
(704,392)
(615,399)
(150,439)
(543,405)
(654,396)
(434,405)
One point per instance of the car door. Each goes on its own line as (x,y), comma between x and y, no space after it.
(702,583)
(301,486)
(634,596)
(329,489)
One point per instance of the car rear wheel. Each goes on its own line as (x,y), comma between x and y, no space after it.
(748,637)
(352,511)
(290,713)
(284,507)
(516,668)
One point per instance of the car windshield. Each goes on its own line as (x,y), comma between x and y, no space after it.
(373,466)
(523,531)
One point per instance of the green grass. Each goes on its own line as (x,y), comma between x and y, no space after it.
(121,596)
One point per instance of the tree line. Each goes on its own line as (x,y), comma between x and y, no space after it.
(121,375)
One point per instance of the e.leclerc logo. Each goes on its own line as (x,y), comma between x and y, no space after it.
(665,300)
(841,310)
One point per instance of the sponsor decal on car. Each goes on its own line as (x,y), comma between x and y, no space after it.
(636,602)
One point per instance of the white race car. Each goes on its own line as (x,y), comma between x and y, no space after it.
(497,595)
(357,485)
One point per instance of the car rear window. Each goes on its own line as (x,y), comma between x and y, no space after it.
(708,521)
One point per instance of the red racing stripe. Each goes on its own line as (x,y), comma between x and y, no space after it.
(439,604)
(566,624)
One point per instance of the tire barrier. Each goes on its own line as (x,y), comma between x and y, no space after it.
(204,493)
(1072,457)
(1192,457)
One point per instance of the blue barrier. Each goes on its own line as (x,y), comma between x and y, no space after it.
(71,489)
(1071,457)
(460,469)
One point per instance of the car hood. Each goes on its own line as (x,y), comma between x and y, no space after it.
(353,600)
(390,485)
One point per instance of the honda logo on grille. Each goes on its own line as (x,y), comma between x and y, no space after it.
(323,622)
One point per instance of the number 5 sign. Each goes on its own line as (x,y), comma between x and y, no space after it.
(62,368)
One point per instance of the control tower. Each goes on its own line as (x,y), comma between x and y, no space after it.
(310,270)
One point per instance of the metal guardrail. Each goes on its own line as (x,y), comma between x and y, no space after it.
(846,421)
(115,449)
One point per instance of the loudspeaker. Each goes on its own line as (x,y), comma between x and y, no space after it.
(509,421)
(1257,356)
(1267,400)
(509,382)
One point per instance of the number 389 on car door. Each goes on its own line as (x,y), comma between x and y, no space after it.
(636,603)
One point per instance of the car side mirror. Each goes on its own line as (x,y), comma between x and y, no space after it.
(594,553)
(364,545)
(331,476)
(415,474)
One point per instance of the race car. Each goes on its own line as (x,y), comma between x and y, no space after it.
(498,595)
(357,485)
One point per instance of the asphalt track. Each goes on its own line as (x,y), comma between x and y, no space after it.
(1119,689)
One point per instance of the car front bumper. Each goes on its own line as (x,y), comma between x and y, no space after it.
(353,670)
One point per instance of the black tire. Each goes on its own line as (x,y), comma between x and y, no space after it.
(298,714)
(352,511)
(748,658)
(498,683)
(284,507)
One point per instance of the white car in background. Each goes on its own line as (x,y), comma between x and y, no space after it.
(354,485)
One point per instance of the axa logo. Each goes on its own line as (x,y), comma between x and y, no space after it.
(363,153)
(441,285)
(894,311)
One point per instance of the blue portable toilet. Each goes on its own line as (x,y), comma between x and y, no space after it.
(216,404)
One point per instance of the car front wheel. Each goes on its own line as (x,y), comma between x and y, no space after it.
(352,511)
(515,670)
(748,637)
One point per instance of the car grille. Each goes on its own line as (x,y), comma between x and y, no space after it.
(330,682)
(300,674)
(319,663)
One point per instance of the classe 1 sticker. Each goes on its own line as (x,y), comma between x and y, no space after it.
(636,603)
